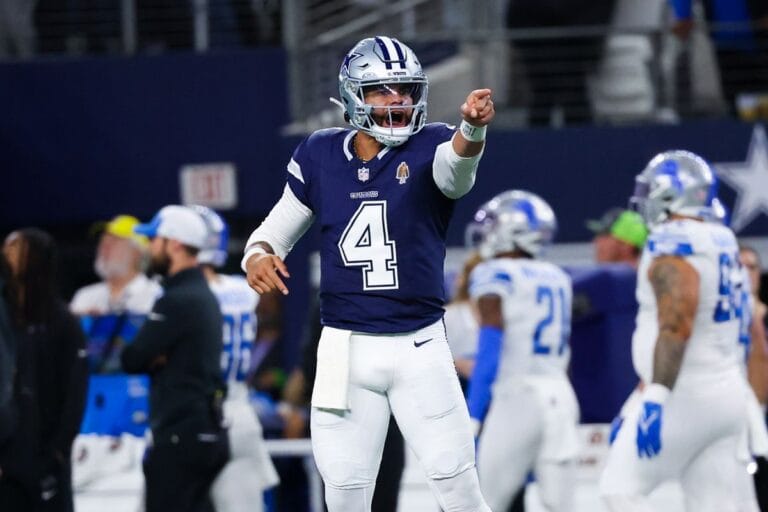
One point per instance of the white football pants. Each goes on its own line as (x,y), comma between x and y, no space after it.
(241,484)
(700,431)
(419,385)
(531,425)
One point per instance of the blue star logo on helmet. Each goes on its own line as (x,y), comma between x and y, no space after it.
(348,60)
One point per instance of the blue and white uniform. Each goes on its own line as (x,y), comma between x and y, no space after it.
(383,225)
(240,485)
(704,415)
(117,404)
(533,413)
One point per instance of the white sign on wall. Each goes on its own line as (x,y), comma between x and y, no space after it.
(213,185)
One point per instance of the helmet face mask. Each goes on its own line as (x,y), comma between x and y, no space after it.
(375,69)
(513,220)
(674,182)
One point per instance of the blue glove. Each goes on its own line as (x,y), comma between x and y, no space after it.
(615,427)
(649,430)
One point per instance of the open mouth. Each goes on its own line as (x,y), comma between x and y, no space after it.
(395,119)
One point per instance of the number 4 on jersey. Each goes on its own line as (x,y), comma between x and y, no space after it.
(365,243)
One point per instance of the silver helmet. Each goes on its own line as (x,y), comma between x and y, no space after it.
(513,220)
(675,182)
(217,237)
(719,212)
(384,64)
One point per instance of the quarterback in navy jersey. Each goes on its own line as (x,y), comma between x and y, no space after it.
(383,194)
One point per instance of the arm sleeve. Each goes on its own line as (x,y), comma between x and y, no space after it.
(75,382)
(156,337)
(486,366)
(285,224)
(454,175)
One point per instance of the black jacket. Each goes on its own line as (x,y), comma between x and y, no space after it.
(180,346)
(50,389)
(7,370)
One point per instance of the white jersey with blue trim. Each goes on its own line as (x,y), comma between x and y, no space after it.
(713,350)
(383,224)
(238,307)
(536,303)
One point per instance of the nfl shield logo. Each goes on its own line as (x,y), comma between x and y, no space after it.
(363,174)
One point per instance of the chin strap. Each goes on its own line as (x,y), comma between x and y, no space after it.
(337,102)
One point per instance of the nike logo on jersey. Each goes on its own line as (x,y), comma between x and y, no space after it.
(420,343)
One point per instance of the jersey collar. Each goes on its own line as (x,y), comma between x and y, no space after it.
(350,154)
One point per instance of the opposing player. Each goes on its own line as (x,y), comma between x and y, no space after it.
(383,194)
(525,322)
(692,407)
(241,484)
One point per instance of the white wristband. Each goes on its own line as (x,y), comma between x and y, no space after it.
(472,133)
(656,393)
(257,249)
(250,251)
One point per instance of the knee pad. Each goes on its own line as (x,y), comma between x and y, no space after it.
(448,455)
(459,493)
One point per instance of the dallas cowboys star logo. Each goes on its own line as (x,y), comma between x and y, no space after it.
(750,181)
(348,60)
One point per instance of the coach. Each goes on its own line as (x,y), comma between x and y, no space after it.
(179,347)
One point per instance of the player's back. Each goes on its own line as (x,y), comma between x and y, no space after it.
(713,350)
(536,304)
(238,307)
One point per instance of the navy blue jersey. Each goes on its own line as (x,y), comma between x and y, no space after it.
(383,225)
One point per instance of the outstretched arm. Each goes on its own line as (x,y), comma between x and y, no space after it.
(456,161)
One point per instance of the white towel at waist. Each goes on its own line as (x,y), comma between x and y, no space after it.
(332,377)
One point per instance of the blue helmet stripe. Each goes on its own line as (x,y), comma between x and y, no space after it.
(400,56)
(527,208)
(384,52)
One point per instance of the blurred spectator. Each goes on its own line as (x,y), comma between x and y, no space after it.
(124,291)
(7,356)
(180,347)
(461,322)
(557,67)
(619,236)
(757,364)
(740,36)
(51,380)
(17,32)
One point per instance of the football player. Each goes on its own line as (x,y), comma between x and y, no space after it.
(692,406)
(241,484)
(525,322)
(383,193)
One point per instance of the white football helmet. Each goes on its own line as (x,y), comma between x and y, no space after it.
(379,63)
(674,182)
(513,220)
